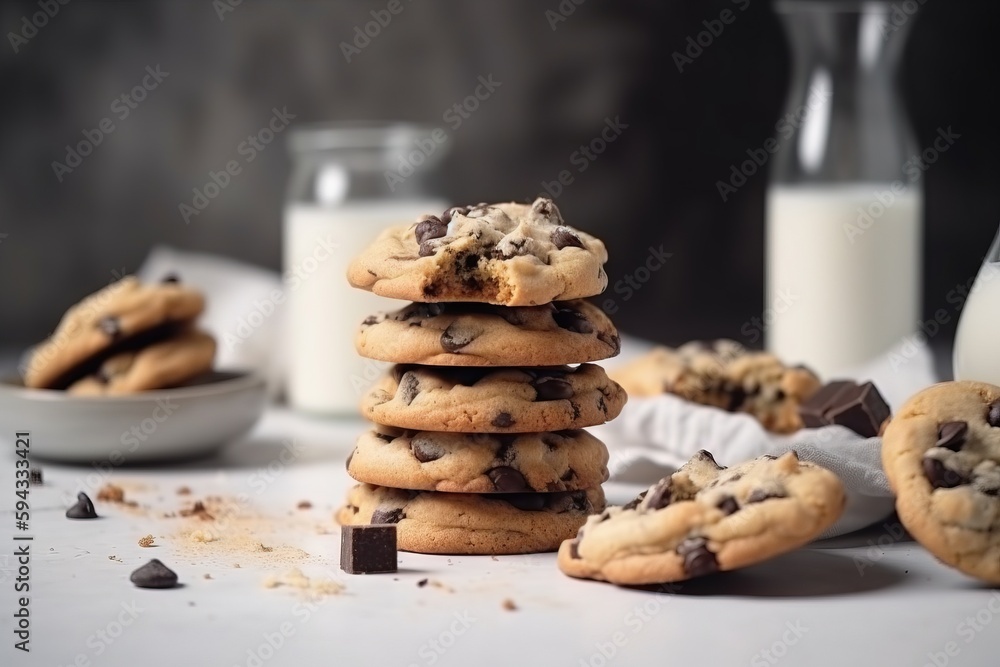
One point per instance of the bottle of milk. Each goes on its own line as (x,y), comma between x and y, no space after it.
(348,182)
(976,354)
(844,201)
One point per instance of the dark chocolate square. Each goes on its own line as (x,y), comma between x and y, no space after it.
(368,549)
(813,411)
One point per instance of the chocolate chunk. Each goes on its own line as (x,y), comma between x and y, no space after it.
(154,574)
(454,338)
(424,450)
(993,415)
(505,452)
(571,320)
(760,495)
(660,496)
(508,480)
(574,549)
(83,509)
(940,476)
(452,212)
(563,237)
(579,501)
(431,227)
(503,420)
(422,583)
(529,502)
(368,549)
(35,477)
(110,325)
(705,455)
(387,515)
(551,441)
(952,435)
(370,320)
(409,387)
(552,389)
(632,504)
(576,410)
(384,437)
(426,250)
(171,279)
(568,475)
(698,560)
(813,411)
(863,410)
(728,505)
(736,399)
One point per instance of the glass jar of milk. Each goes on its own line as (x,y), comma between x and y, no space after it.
(844,201)
(976,354)
(348,182)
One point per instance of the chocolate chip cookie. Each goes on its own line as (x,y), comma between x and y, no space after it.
(459,523)
(123,316)
(941,453)
(473,334)
(508,254)
(725,375)
(707,518)
(167,363)
(479,462)
(493,400)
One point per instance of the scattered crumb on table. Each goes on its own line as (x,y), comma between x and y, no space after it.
(111,493)
(184,491)
(509,605)
(304,505)
(146,541)
(207,576)
(422,583)
(296,579)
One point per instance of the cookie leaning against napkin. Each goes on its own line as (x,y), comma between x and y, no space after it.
(126,338)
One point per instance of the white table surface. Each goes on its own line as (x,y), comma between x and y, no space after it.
(843,602)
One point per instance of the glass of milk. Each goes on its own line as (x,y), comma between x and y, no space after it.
(349,181)
(976,354)
(844,201)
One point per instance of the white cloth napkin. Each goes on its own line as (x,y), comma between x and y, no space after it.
(654,436)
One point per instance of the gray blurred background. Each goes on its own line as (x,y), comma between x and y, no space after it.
(654,185)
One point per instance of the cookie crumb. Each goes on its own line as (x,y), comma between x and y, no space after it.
(203,536)
(206,576)
(236,565)
(296,579)
(111,493)
(198,510)
(115,558)
(304,505)
(265,549)
(184,491)
(509,605)
(146,541)
(422,583)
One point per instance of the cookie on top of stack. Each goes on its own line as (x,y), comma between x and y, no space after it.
(477,446)
(126,338)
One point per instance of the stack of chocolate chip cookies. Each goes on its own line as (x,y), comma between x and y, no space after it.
(126,338)
(477,446)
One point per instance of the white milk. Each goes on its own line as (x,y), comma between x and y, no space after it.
(325,373)
(977,355)
(843,272)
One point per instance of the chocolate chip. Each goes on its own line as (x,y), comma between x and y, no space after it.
(454,210)
(572,320)
(993,416)
(508,480)
(454,338)
(384,437)
(83,509)
(563,237)
(505,452)
(552,389)
(370,320)
(940,476)
(952,435)
(551,441)
(431,227)
(736,399)
(503,420)
(760,495)
(154,574)
(728,505)
(368,549)
(529,502)
(698,560)
(568,475)
(383,515)
(545,207)
(110,325)
(632,504)
(576,410)
(171,279)
(426,250)
(424,450)
(409,387)
(660,496)
(705,455)
(579,501)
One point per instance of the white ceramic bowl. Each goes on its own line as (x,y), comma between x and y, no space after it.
(166,424)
